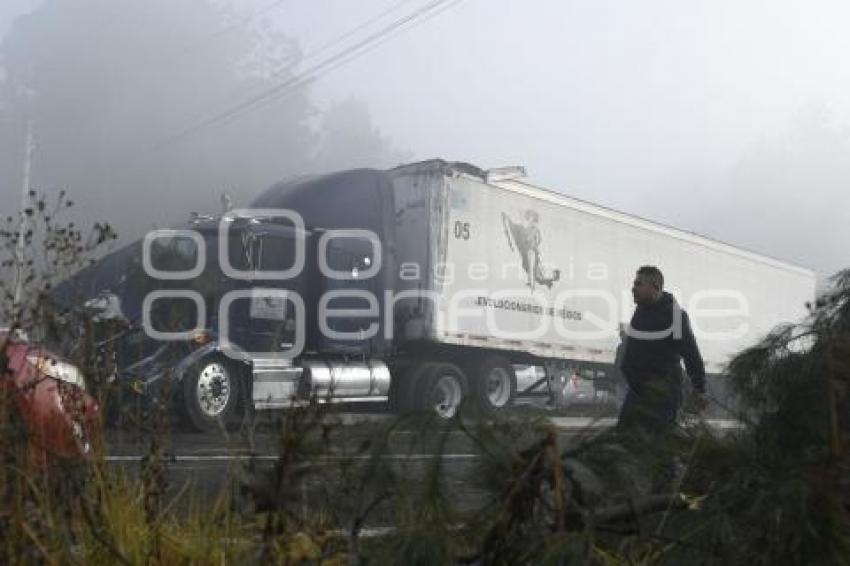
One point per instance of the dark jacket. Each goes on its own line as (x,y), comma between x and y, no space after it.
(659,337)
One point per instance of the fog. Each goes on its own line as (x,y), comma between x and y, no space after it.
(117,95)
(723,118)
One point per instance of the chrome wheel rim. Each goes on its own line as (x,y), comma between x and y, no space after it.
(498,387)
(447,396)
(213,389)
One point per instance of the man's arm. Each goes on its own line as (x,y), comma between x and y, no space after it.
(690,352)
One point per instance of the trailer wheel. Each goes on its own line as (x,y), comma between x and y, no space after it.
(211,394)
(441,388)
(493,383)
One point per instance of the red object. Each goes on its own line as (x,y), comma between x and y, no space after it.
(62,420)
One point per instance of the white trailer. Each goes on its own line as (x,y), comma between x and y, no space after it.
(545,279)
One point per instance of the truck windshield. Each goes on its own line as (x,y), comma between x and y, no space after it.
(272,252)
(121,280)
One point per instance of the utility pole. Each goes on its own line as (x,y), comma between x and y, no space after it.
(22,226)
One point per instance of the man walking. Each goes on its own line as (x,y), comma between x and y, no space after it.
(659,337)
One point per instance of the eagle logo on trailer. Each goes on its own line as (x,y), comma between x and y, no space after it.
(525,238)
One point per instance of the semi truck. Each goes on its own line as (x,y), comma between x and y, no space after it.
(424,287)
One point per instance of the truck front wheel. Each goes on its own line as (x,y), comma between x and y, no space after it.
(211,394)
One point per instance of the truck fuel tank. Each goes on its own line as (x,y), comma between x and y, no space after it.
(367,381)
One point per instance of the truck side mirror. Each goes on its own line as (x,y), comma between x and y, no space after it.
(105,306)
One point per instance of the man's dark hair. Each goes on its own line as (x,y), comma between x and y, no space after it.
(653,275)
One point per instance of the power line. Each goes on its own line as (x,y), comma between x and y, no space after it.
(448,4)
(303,78)
(354,55)
(236,96)
(373,40)
(388,37)
(342,37)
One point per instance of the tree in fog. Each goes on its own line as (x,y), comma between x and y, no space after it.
(118,91)
(349,139)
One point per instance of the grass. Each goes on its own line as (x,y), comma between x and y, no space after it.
(775,492)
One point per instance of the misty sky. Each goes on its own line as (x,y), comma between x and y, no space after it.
(726,118)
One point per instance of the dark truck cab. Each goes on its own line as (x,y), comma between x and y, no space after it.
(215,339)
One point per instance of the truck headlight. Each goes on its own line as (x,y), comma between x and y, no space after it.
(57,369)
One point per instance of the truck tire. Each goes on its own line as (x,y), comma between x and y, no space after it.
(493,384)
(211,394)
(403,386)
(441,388)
